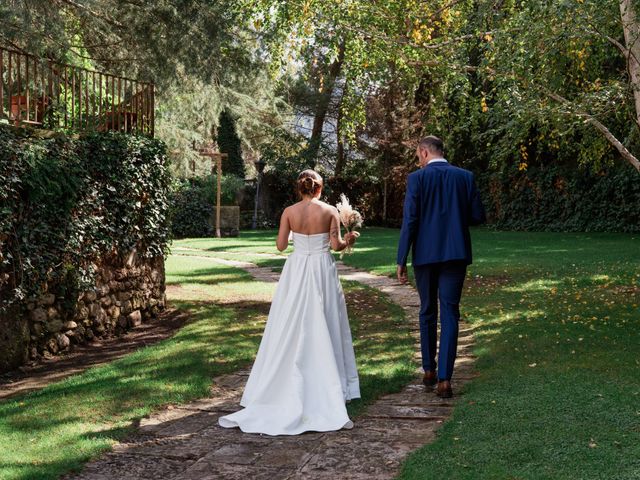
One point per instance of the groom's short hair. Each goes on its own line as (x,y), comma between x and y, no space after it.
(432,143)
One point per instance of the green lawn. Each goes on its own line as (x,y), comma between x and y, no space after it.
(557,328)
(558,340)
(47,433)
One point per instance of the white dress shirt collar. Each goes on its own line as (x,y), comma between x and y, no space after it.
(437,160)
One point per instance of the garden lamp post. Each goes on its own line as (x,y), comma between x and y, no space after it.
(260,164)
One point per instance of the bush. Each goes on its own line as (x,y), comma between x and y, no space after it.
(66,203)
(193,201)
(551,198)
(563,199)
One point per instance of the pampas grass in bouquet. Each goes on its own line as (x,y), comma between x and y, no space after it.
(350,219)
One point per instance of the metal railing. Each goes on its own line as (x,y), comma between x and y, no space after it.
(51,95)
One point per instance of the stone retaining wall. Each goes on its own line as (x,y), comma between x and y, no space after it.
(123,297)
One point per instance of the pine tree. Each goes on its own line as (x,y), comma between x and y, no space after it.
(229,143)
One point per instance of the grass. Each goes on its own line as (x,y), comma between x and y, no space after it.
(383,344)
(57,429)
(558,343)
(556,321)
(557,329)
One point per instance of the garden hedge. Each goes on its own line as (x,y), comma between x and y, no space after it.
(557,198)
(550,198)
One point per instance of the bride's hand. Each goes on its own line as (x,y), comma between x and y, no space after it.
(350,238)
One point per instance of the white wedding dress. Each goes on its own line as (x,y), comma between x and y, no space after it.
(305,368)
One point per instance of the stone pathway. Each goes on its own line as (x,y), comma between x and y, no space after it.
(185,442)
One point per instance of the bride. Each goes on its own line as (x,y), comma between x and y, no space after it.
(305,369)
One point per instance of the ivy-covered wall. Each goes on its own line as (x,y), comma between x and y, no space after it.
(557,198)
(75,215)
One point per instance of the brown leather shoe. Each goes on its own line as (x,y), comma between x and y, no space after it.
(443,390)
(430,378)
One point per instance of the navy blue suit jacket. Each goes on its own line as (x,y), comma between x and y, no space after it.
(441,202)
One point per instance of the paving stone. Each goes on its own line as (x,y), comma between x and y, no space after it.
(133,467)
(287,453)
(410,431)
(185,447)
(187,424)
(353,458)
(230,381)
(206,470)
(417,412)
(416,398)
(161,419)
(243,452)
(212,404)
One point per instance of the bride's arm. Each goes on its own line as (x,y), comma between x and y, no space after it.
(282,242)
(337,243)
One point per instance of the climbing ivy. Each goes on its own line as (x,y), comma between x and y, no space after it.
(68,203)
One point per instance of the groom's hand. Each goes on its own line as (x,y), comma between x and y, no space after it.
(402,273)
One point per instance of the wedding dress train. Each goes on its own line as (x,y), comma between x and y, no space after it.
(305,368)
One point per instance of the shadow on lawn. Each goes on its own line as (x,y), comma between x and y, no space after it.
(173,370)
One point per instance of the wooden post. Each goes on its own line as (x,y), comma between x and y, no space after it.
(219,162)
(384,201)
(211,153)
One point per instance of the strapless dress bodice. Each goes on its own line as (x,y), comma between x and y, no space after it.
(310,244)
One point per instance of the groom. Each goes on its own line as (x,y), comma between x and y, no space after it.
(440,204)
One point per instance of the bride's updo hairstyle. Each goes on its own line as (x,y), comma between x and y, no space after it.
(309,182)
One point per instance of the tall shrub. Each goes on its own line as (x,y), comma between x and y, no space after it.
(229,143)
(559,198)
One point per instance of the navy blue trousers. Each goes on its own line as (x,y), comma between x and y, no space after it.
(441,281)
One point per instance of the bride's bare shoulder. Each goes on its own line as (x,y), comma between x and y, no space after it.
(328,207)
(291,208)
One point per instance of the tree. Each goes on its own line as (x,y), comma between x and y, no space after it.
(229,143)
(149,40)
(518,70)
(350,50)
(571,60)
(203,57)
(190,111)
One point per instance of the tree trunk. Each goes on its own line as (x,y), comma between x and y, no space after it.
(340,160)
(323,107)
(384,200)
(631,30)
(340,155)
(611,138)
